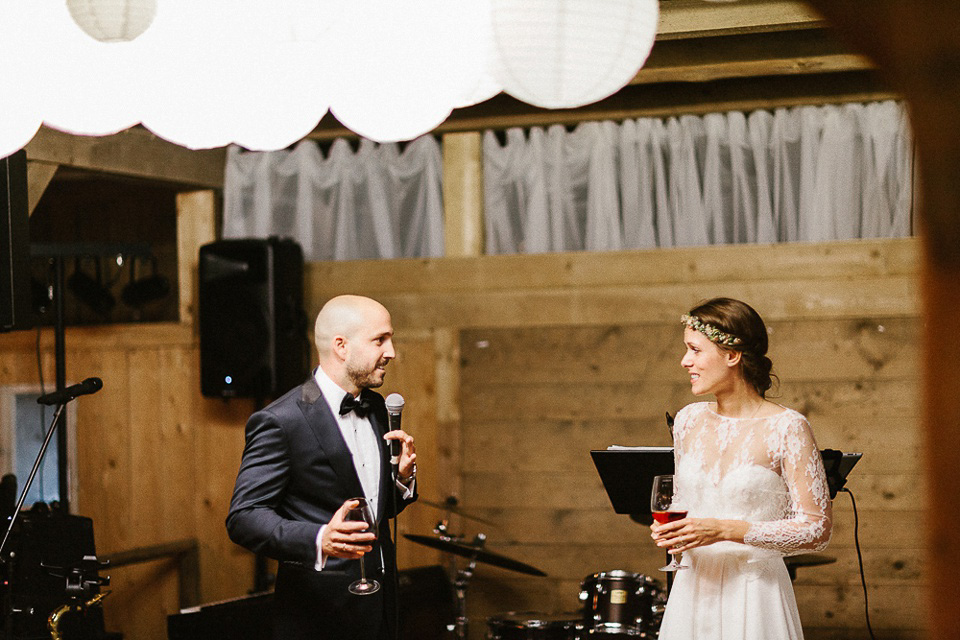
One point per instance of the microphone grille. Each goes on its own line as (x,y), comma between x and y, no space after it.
(394,402)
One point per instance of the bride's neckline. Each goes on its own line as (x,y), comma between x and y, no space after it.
(711,407)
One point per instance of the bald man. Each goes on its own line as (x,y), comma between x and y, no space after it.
(307,455)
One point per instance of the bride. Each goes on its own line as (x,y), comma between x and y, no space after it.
(750,475)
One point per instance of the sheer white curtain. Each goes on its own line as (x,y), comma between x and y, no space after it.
(801,174)
(376,202)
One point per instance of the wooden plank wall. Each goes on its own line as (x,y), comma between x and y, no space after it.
(154,460)
(558,354)
(586,345)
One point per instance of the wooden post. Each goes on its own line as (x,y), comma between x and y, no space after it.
(463,193)
(196,226)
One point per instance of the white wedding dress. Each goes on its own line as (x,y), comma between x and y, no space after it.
(766,471)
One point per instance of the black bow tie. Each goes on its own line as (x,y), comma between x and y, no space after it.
(361,407)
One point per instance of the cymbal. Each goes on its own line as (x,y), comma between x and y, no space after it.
(809,560)
(451,507)
(468,550)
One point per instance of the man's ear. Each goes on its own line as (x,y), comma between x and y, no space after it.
(340,347)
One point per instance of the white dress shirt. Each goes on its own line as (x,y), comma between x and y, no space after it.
(364,444)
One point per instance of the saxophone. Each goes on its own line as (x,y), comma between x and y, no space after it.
(53,622)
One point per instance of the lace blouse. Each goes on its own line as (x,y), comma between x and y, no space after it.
(766,471)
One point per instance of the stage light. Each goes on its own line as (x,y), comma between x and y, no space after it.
(140,291)
(90,290)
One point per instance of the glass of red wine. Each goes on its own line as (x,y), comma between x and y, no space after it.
(665,508)
(363,513)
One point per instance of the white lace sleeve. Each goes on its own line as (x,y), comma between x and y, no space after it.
(681,425)
(808,525)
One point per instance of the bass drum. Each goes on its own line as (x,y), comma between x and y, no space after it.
(532,625)
(622,604)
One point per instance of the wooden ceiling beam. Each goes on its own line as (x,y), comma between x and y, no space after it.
(660,100)
(796,52)
(135,153)
(733,65)
(39,175)
(695,18)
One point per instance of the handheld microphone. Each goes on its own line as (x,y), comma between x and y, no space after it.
(394,404)
(90,385)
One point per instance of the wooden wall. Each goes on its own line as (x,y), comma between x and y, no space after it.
(559,354)
(157,461)
(153,460)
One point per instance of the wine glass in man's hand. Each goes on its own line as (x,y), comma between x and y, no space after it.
(363,513)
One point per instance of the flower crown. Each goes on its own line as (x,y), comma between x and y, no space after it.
(714,334)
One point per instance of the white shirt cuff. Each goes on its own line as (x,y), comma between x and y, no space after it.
(318,566)
(407,489)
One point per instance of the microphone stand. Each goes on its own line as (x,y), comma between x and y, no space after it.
(4,559)
(33,473)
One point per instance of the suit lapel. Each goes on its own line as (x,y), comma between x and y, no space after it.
(317,415)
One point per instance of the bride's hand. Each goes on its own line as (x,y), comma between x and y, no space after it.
(690,533)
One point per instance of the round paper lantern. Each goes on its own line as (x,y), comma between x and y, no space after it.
(19,124)
(90,87)
(399,68)
(113,20)
(486,85)
(233,71)
(20,77)
(567,53)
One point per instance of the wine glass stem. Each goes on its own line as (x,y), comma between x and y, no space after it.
(363,571)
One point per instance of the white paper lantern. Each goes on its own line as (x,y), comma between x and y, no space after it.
(567,53)
(486,85)
(20,77)
(19,124)
(113,20)
(399,68)
(90,87)
(233,71)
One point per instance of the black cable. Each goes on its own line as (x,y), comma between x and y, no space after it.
(396,573)
(863,579)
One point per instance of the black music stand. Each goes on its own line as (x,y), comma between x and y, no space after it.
(627,474)
(838,466)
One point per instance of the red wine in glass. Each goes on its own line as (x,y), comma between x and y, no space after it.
(363,513)
(664,507)
(663,517)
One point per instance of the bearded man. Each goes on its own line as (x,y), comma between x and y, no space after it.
(307,456)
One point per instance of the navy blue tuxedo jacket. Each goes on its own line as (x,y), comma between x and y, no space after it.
(296,472)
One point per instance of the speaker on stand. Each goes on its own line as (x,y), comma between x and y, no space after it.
(253,333)
(16,310)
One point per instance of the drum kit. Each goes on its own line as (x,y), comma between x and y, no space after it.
(614,604)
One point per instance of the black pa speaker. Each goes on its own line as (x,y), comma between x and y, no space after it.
(253,337)
(15,306)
